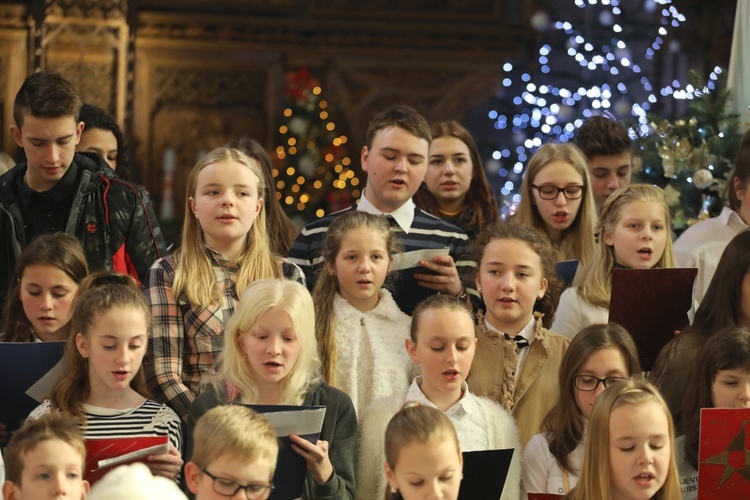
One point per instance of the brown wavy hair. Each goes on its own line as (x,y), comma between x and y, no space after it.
(97,294)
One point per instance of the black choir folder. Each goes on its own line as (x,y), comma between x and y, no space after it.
(291,468)
(652,304)
(484,474)
(28,371)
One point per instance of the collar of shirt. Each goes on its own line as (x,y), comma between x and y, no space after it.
(403,215)
(732,218)
(61,193)
(527,332)
(464,405)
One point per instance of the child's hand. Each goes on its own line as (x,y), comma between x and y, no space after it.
(166,464)
(316,456)
(446,281)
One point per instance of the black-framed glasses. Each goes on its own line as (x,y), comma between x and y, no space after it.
(590,383)
(552,192)
(229,487)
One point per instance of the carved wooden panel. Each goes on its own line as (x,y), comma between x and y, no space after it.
(192,100)
(13,68)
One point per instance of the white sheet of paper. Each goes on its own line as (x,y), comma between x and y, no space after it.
(408,260)
(297,422)
(158,449)
(42,389)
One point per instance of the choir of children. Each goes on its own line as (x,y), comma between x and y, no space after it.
(233,325)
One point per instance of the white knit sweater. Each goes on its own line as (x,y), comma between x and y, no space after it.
(372,362)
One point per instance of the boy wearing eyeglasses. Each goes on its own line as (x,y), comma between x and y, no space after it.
(234,449)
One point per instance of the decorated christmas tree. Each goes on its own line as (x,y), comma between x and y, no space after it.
(692,157)
(313,175)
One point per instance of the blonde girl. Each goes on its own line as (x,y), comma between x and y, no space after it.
(517,358)
(422,455)
(270,357)
(598,356)
(192,293)
(556,198)
(634,232)
(443,343)
(103,388)
(45,282)
(359,327)
(630,447)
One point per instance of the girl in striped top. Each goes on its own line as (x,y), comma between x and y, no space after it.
(103,386)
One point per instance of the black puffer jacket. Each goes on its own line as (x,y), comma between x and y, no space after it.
(112,218)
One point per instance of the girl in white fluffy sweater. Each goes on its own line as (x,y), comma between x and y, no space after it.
(360,329)
(443,343)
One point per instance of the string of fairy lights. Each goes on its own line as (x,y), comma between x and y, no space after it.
(314,154)
(552,105)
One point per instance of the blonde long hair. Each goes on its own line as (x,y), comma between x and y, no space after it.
(578,239)
(194,275)
(596,279)
(595,480)
(327,285)
(233,368)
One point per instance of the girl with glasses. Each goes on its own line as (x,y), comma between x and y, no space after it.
(634,233)
(556,198)
(597,357)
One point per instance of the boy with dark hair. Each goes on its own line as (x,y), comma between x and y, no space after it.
(57,189)
(46,459)
(608,147)
(395,159)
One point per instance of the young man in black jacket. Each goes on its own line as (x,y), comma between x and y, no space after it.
(57,189)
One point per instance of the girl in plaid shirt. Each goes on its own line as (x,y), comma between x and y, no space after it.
(193,292)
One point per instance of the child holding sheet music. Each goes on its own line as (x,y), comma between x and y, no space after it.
(192,293)
(720,379)
(556,198)
(517,358)
(727,302)
(360,328)
(270,357)
(235,449)
(101,389)
(422,455)
(634,233)
(443,343)
(630,448)
(598,356)
(45,459)
(45,282)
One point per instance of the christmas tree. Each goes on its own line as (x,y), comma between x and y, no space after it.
(692,158)
(313,174)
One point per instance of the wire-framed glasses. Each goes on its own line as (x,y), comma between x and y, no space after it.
(552,192)
(590,383)
(229,487)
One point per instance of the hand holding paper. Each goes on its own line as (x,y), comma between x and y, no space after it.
(166,464)
(446,280)
(316,456)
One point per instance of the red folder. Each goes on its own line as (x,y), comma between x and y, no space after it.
(724,454)
(651,304)
(102,455)
(543,496)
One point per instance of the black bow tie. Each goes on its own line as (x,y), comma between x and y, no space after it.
(519,340)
